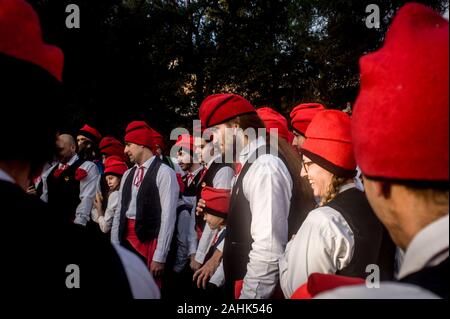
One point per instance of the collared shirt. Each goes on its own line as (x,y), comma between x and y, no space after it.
(267,186)
(183,231)
(6,177)
(88,186)
(168,188)
(218,278)
(428,248)
(323,244)
(223,179)
(105,221)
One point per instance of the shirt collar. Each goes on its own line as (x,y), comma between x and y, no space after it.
(431,242)
(347,186)
(147,163)
(6,177)
(198,170)
(215,158)
(72,160)
(251,148)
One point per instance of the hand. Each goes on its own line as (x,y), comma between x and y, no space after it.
(200,206)
(31,190)
(203,275)
(157,269)
(194,264)
(98,203)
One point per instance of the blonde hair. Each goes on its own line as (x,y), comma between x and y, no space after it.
(333,189)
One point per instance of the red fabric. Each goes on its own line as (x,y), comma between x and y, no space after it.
(219,108)
(80,174)
(401,115)
(302,115)
(180,182)
(238,288)
(91,130)
(147,249)
(59,170)
(138,132)
(237,168)
(328,136)
(21,37)
(185,141)
(157,140)
(274,120)
(139,176)
(217,199)
(318,283)
(111,146)
(115,166)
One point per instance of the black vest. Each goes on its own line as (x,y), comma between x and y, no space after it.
(373,244)
(238,243)
(55,245)
(64,191)
(148,205)
(191,189)
(434,279)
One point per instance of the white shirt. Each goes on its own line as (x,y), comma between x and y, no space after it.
(428,248)
(6,177)
(267,186)
(222,179)
(105,221)
(323,244)
(168,188)
(183,230)
(218,278)
(88,187)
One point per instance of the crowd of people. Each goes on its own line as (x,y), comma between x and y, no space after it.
(294,213)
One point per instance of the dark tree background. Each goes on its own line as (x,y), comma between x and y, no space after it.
(157,60)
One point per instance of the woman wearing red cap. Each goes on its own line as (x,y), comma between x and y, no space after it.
(342,236)
(114,170)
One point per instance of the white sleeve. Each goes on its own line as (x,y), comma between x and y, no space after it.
(167,183)
(182,241)
(105,221)
(88,186)
(268,188)
(223,178)
(192,234)
(204,244)
(218,278)
(323,244)
(141,281)
(44,196)
(116,219)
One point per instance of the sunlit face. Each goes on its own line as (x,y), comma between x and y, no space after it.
(213,221)
(184,160)
(112,181)
(319,178)
(81,139)
(134,152)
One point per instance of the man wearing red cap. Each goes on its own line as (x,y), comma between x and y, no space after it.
(406,174)
(257,225)
(342,236)
(301,116)
(31,75)
(148,200)
(110,146)
(158,149)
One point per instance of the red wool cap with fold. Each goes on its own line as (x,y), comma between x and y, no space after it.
(302,115)
(158,139)
(217,201)
(138,132)
(220,108)
(114,166)
(111,146)
(328,143)
(19,22)
(400,122)
(185,141)
(274,120)
(90,132)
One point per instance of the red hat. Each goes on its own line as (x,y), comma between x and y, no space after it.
(302,115)
(180,183)
(157,138)
(401,116)
(274,120)
(91,133)
(113,166)
(328,143)
(217,201)
(219,108)
(111,146)
(21,37)
(138,132)
(185,141)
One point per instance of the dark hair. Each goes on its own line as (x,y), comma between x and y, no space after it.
(302,201)
(31,104)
